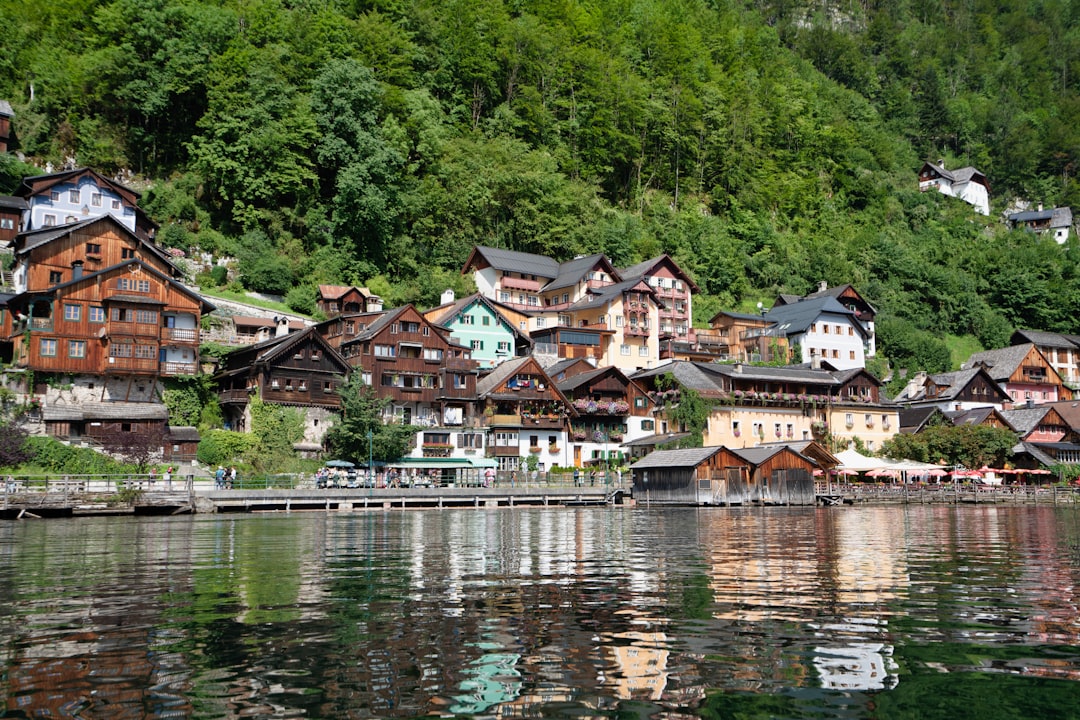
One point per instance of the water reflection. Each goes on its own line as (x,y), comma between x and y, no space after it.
(663,613)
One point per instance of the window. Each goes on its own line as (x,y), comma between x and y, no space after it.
(471,440)
(624,349)
(534,300)
(849,419)
(72,312)
(385,351)
(127,253)
(504,297)
(433,354)
(643,351)
(132,284)
(468,320)
(7,224)
(476,344)
(647,425)
(146,317)
(71,219)
(76,348)
(835,353)
(619,320)
(486,320)
(825,329)
(115,205)
(851,354)
(49,220)
(48,347)
(869,420)
(122,315)
(96,314)
(541,322)
(55,276)
(459,381)
(850,330)
(121,350)
(639,402)
(73,196)
(565,298)
(503,347)
(393,328)
(54,196)
(95,199)
(93,248)
(813,327)
(145,352)
(839,329)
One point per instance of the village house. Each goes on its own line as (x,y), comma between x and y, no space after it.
(743,337)
(297,370)
(1056,222)
(676,291)
(334,300)
(525,414)
(611,410)
(6,113)
(953,391)
(851,299)
(479,323)
(967,184)
(1060,350)
(753,405)
(12,210)
(429,379)
(73,196)
(1023,373)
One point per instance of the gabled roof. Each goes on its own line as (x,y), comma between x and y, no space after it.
(501,372)
(184,433)
(763,453)
(599,296)
(5,109)
(35,184)
(334,292)
(975,416)
(914,419)
(1003,362)
(576,364)
(1024,420)
(574,271)
(810,449)
(688,374)
(512,261)
(268,351)
(442,314)
(952,384)
(1069,410)
(685,457)
(797,318)
(586,378)
(12,203)
(1046,339)
(960,175)
(24,242)
(648,268)
(837,292)
(1033,450)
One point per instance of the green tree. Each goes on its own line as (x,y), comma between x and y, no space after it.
(361,413)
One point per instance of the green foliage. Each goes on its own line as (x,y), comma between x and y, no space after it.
(689,412)
(225,447)
(53,456)
(275,428)
(971,446)
(361,413)
(185,398)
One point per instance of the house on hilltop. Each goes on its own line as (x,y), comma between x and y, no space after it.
(1056,222)
(965,183)
(72,196)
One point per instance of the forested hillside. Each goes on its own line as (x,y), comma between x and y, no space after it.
(766,146)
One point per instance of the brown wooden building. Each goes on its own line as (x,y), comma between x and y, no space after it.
(610,409)
(6,113)
(11,213)
(299,370)
(334,300)
(429,379)
(715,475)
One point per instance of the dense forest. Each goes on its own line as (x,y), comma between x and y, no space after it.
(766,145)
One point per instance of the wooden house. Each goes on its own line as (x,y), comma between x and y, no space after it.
(983,416)
(11,214)
(428,378)
(299,370)
(966,183)
(6,113)
(1039,424)
(1023,373)
(334,300)
(611,409)
(721,476)
(524,413)
(181,444)
(959,390)
(105,423)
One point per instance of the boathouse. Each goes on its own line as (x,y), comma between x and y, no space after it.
(724,476)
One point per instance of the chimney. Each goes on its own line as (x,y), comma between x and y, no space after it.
(76,269)
(822,286)
(374,304)
(1040,207)
(815,361)
(941,163)
(447,297)
(282,326)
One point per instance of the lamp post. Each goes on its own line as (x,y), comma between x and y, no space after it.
(370,466)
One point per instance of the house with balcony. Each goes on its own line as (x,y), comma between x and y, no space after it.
(78,195)
(1040,424)
(850,298)
(428,378)
(953,391)
(1055,222)
(1023,373)
(525,414)
(752,405)
(1062,351)
(479,323)
(967,184)
(675,290)
(611,409)
(744,337)
(821,330)
(334,300)
(299,370)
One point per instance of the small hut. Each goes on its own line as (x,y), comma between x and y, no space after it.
(779,475)
(181,444)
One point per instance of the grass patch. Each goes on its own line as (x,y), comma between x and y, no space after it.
(961,347)
(248,300)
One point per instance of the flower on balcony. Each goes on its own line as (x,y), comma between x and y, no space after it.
(534,449)
(778,433)
(580,435)
(790,432)
(788,397)
(736,432)
(802,397)
(599,436)
(615,436)
(437,446)
(553,448)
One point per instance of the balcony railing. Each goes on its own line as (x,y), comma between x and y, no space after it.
(45,324)
(133,364)
(179,368)
(180,334)
(234,396)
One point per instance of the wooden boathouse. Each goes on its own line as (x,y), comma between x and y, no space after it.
(769,475)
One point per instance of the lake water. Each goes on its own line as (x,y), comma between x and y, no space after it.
(853,612)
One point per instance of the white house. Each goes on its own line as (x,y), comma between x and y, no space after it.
(966,183)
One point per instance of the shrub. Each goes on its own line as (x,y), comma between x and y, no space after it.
(222,447)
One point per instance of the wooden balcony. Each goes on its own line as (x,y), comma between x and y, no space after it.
(185,335)
(179,368)
(237,395)
(137,366)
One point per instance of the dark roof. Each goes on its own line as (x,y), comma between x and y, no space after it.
(106,411)
(1031,216)
(184,434)
(575,381)
(5,108)
(502,371)
(798,317)
(571,272)
(646,268)
(1024,420)
(1040,338)
(916,417)
(12,202)
(513,261)
(31,239)
(653,440)
(685,457)
(1040,456)
(960,175)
